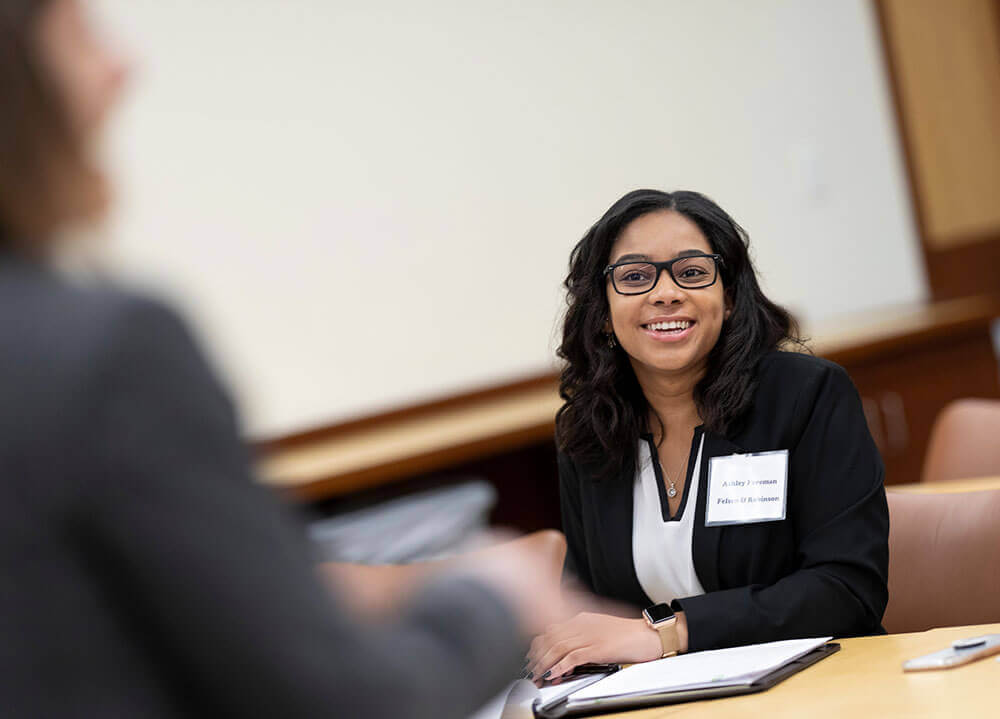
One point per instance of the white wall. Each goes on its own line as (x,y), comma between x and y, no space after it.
(370,203)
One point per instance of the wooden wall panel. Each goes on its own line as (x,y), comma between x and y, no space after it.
(945,62)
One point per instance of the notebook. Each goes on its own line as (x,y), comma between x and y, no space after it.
(719,672)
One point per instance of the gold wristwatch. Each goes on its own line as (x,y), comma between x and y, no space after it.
(662,620)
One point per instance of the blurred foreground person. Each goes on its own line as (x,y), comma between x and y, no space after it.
(144,574)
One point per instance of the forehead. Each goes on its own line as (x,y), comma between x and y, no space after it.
(660,235)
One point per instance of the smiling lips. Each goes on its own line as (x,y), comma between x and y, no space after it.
(669,330)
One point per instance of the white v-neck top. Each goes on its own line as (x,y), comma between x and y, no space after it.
(661,545)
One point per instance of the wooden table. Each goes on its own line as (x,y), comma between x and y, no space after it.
(865,679)
(951,486)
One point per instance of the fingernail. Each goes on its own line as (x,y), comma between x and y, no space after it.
(531,675)
(547,674)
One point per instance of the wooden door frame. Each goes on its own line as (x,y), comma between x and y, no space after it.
(972,265)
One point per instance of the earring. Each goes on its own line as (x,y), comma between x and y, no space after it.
(612,342)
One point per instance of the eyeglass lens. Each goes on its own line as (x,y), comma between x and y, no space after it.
(688,272)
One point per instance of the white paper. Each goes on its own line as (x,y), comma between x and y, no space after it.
(745,488)
(714,668)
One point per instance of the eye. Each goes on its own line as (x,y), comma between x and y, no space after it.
(635,275)
(693,272)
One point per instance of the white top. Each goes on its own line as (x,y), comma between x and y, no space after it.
(661,545)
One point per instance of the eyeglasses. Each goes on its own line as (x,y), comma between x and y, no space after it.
(691,272)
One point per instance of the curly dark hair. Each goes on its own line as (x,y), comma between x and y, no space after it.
(604,410)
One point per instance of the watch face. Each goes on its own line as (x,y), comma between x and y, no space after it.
(659,612)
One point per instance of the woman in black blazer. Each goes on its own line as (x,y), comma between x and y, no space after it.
(677,365)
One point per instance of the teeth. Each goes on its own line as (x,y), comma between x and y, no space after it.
(675,325)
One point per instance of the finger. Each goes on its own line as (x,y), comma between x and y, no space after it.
(539,645)
(551,653)
(572,660)
(558,650)
(542,644)
(548,678)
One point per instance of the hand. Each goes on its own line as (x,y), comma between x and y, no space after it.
(591,638)
(526,572)
(374,591)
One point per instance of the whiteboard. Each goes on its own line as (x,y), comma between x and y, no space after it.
(362,205)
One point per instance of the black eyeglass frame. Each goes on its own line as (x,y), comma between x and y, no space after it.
(669,267)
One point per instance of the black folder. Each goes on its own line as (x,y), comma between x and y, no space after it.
(560,709)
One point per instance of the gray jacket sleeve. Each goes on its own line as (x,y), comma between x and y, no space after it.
(217,577)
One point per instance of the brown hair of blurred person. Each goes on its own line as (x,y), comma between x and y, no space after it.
(47,176)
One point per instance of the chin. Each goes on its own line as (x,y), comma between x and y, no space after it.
(664,362)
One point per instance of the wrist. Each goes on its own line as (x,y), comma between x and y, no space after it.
(651,647)
(669,627)
(662,619)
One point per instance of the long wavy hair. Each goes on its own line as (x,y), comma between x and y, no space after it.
(604,410)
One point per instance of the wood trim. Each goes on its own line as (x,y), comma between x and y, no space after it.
(417,464)
(418,440)
(413,411)
(969,265)
(905,132)
(380,449)
(959,270)
(949,486)
(909,330)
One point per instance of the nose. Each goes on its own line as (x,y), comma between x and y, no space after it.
(665,291)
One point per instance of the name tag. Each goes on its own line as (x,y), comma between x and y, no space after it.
(746,488)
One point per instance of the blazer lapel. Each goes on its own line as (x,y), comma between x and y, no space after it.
(706,540)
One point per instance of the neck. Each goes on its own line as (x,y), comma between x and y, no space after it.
(671,397)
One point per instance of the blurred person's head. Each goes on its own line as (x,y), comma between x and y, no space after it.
(58,80)
(703,321)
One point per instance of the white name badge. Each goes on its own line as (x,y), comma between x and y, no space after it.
(746,488)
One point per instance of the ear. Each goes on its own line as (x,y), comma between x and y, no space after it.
(729,305)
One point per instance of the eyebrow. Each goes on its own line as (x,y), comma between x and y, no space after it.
(646,258)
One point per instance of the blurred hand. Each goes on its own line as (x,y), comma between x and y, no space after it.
(526,573)
(374,591)
(595,638)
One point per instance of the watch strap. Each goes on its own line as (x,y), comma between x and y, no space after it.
(669,640)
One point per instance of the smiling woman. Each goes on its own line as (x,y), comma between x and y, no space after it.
(605,407)
(678,384)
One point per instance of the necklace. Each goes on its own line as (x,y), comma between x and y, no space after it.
(672,489)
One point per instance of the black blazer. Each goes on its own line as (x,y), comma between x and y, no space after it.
(144,573)
(821,571)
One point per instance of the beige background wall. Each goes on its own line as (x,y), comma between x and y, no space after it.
(367,204)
